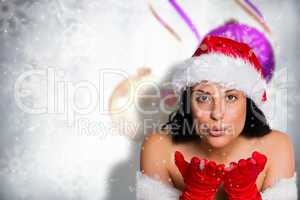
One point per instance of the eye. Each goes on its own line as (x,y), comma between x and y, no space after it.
(231,98)
(203,98)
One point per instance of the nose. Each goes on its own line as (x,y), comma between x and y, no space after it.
(218,110)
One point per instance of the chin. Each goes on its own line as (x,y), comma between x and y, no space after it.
(217,142)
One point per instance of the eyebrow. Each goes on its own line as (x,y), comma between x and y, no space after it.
(230,90)
(198,90)
(205,92)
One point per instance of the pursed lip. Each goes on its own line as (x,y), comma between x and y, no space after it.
(219,128)
(217,131)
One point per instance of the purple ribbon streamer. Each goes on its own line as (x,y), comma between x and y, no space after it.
(185,18)
(254,8)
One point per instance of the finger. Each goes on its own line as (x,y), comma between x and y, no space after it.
(202,164)
(220,170)
(260,160)
(251,164)
(232,166)
(243,166)
(211,168)
(180,163)
(179,156)
(195,162)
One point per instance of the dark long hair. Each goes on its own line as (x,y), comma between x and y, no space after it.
(181,126)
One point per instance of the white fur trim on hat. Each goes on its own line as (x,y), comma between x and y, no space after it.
(223,69)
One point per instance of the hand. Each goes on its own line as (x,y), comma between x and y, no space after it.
(201,177)
(240,178)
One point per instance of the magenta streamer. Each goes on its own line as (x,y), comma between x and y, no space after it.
(254,8)
(187,20)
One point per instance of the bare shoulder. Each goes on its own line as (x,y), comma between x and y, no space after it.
(281,156)
(277,135)
(277,143)
(154,156)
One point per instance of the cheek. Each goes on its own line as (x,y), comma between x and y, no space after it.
(200,113)
(236,116)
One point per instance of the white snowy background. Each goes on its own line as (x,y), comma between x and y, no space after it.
(42,156)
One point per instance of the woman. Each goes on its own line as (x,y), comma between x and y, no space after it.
(218,127)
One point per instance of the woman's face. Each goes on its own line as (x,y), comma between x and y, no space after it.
(219,113)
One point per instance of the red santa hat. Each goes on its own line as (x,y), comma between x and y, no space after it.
(226,62)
